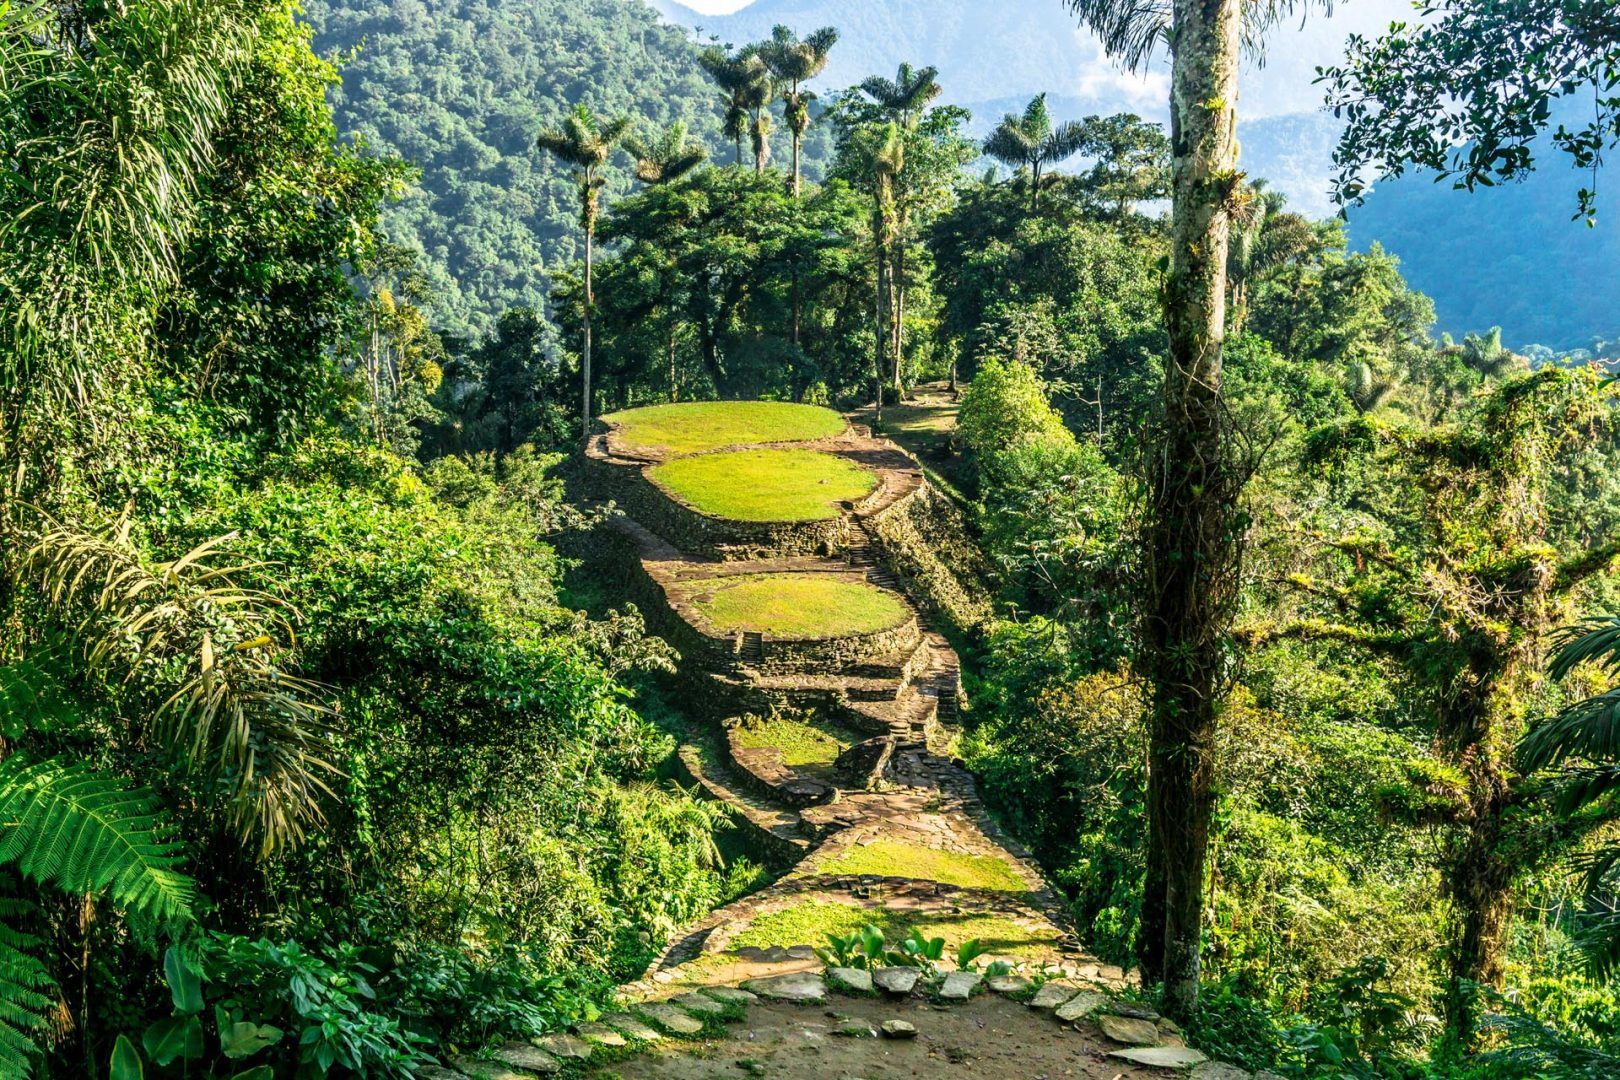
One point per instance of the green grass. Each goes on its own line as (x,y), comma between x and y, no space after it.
(710,425)
(812,745)
(797,606)
(893,858)
(765,485)
(809,924)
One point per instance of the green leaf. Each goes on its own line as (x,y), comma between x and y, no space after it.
(185,982)
(85,832)
(245,1039)
(27,992)
(174,1037)
(126,1061)
(258,1072)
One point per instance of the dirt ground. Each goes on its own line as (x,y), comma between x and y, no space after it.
(989,1038)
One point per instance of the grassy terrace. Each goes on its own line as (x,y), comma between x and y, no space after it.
(811,745)
(765,485)
(798,606)
(894,858)
(809,924)
(711,425)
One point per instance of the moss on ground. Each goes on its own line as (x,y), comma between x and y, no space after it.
(809,743)
(710,425)
(811,923)
(766,485)
(895,858)
(797,606)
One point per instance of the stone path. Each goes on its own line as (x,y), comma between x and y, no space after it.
(895,833)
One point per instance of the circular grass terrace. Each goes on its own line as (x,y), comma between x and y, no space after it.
(765,485)
(800,607)
(712,425)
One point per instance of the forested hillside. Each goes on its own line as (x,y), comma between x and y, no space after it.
(458,89)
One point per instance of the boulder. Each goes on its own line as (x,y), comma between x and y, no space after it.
(803,986)
(895,980)
(1128,1030)
(1053,994)
(959,985)
(898,1029)
(855,979)
(1008,984)
(1135,1010)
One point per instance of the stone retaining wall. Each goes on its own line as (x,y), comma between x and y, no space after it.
(923,540)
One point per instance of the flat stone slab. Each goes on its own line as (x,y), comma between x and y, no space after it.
(804,986)
(1219,1070)
(530,1059)
(600,1035)
(895,980)
(899,1029)
(437,1072)
(626,1024)
(856,979)
(1161,1057)
(1081,1005)
(730,995)
(1128,1030)
(671,1019)
(1008,984)
(565,1046)
(1052,994)
(485,1070)
(1135,1010)
(959,985)
(699,1004)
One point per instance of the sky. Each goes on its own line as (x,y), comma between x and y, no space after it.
(716,7)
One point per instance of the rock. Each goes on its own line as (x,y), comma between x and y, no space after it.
(843,978)
(564,1046)
(599,1035)
(1219,1070)
(1110,973)
(1128,1030)
(730,995)
(801,952)
(436,1072)
(671,1019)
(1052,994)
(805,986)
(857,1029)
(899,1029)
(1080,1006)
(528,1058)
(630,1026)
(1165,1024)
(699,1005)
(485,1070)
(895,980)
(1008,984)
(1135,1010)
(959,985)
(1161,1057)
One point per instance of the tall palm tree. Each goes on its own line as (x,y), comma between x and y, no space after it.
(1192,554)
(903,99)
(1030,141)
(745,84)
(586,142)
(668,157)
(888,161)
(795,62)
(1265,236)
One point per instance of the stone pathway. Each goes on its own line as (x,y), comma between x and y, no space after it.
(897,836)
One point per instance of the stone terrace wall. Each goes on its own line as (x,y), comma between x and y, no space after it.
(923,540)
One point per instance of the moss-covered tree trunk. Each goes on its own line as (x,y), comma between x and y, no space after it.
(1192,525)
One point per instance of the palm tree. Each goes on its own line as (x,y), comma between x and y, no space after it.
(668,157)
(745,83)
(903,99)
(586,143)
(795,62)
(1192,558)
(888,161)
(1030,141)
(1264,237)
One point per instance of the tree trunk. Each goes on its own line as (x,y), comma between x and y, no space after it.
(590,302)
(796,183)
(1192,542)
(674,383)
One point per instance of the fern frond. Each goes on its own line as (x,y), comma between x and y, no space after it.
(66,825)
(33,696)
(27,992)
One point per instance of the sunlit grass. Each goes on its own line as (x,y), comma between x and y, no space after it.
(796,605)
(709,425)
(894,858)
(813,745)
(811,923)
(766,485)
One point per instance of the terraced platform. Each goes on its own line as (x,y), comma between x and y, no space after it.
(824,698)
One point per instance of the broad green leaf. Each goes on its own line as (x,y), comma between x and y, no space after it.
(245,1039)
(174,1037)
(126,1061)
(185,982)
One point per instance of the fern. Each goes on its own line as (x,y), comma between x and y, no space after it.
(63,824)
(32,696)
(27,992)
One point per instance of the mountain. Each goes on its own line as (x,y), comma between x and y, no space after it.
(460,87)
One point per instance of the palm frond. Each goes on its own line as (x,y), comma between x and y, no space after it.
(1130,30)
(1593,641)
(1065,141)
(210,649)
(27,991)
(1009,145)
(1588,729)
(67,826)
